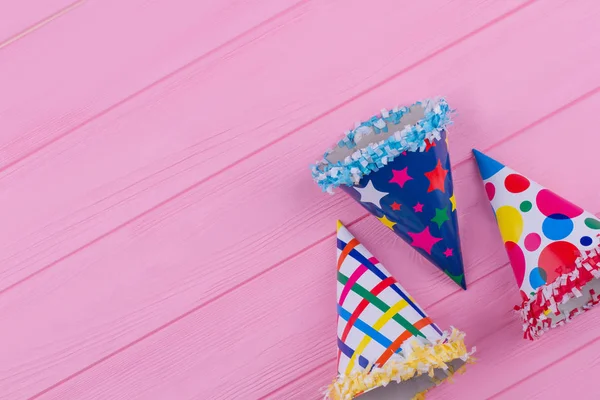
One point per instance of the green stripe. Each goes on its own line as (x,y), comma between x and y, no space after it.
(377,302)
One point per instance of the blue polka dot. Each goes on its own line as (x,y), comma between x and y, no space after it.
(585,241)
(557,227)
(537,278)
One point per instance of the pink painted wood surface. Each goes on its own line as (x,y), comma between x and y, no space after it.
(162,237)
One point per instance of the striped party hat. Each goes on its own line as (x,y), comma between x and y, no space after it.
(552,245)
(397,166)
(383,335)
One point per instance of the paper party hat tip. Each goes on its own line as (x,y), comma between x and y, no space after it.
(383,335)
(396,165)
(487,166)
(553,246)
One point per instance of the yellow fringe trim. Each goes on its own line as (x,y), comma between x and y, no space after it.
(422,358)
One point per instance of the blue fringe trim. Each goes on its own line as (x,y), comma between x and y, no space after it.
(376,155)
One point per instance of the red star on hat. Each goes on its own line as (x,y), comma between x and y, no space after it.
(436,177)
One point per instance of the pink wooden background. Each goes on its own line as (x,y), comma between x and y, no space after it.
(160,235)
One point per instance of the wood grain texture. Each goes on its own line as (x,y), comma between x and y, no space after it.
(301,284)
(161,236)
(567,377)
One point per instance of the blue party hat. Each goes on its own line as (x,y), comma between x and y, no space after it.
(396,165)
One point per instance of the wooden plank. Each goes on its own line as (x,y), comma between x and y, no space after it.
(129,175)
(150,149)
(96,56)
(269,351)
(21,18)
(307,385)
(505,358)
(572,376)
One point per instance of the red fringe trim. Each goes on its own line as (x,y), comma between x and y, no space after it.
(564,288)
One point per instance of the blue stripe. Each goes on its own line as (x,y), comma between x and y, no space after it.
(344,348)
(365,328)
(365,261)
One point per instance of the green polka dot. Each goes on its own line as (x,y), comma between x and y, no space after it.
(592,223)
(525,206)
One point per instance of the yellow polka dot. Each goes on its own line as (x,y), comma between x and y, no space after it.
(510,223)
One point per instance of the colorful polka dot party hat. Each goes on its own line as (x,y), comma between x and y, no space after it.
(552,245)
(396,165)
(388,348)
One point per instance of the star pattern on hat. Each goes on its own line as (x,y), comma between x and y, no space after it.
(436,177)
(448,252)
(384,220)
(423,240)
(429,144)
(400,177)
(441,216)
(369,194)
(419,193)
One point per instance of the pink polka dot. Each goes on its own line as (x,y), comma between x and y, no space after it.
(516,183)
(532,241)
(550,203)
(517,260)
(558,258)
(490,189)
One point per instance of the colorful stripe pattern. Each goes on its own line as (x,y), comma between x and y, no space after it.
(376,315)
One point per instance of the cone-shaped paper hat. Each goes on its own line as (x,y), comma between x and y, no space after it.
(396,165)
(383,335)
(552,245)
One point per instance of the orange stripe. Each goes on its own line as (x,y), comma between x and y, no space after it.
(420,324)
(351,245)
